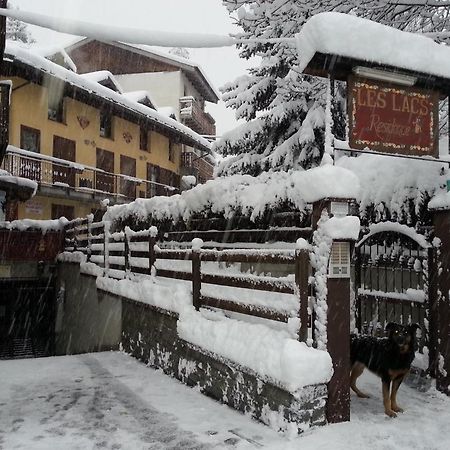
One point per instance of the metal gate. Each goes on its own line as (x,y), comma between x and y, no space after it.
(394,282)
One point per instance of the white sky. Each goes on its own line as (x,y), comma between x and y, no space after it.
(187,16)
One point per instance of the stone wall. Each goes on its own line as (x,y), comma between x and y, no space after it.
(150,335)
(89,319)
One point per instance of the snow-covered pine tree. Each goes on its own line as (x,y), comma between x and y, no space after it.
(284,109)
(18,31)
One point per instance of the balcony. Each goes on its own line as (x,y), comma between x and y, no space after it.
(192,164)
(193,116)
(54,174)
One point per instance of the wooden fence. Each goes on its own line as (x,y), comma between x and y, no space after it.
(127,253)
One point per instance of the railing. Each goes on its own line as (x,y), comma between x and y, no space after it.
(197,166)
(29,245)
(48,171)
(194,117)
(123,254)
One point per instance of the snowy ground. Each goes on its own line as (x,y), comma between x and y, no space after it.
(109,400)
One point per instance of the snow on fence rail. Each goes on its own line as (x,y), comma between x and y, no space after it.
(124,254)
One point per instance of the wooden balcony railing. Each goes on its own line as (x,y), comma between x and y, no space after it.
(194,117)
(58,173)
(201,168)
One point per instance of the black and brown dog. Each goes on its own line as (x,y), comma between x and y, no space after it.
(390,358)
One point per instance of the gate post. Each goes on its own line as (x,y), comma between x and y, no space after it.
(441,222)
(338,406)
(340,230)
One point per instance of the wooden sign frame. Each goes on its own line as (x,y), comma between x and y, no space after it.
(405,125)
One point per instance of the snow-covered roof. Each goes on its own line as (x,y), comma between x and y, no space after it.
(143,97)
(360,39)
(16,54)
(56,54)
(168,111)
(193,71)
(105,78)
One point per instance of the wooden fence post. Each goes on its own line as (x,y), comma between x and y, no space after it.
(74,236)
(151,252)
(196,273)
(90,218)
(106,246)
(126,253)
(301,281)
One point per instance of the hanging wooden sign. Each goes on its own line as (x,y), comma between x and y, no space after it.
(392,119)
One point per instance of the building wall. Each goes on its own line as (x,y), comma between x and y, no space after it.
(166,88)
(86,320)
(29,107)
(96,55)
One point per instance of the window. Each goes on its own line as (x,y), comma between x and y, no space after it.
(30,139)
(63,211)
(153,174)
(171,151)
(63,149)
(128,168)
(105,124)
(55,106)
(105,180)
(143,140)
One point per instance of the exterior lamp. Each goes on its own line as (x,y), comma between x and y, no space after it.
(382,75)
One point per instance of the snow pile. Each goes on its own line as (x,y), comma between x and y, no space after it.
(410,295)
(163,293)
(28,224)
(391,183)
(72,257)
(18,181)
(440,201)
(249,195)
(353,37)
(319,261)
(274,354)
(342,227)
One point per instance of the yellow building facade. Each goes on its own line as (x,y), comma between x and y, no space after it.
(84,145)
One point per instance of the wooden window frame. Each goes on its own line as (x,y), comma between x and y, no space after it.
(106,131)
(59,112)
(171,151)
(144,139)
(25,128)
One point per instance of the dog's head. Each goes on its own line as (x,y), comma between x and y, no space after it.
(403,336)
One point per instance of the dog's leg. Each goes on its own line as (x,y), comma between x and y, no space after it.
(395,385)
(357,370)
(386,399)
